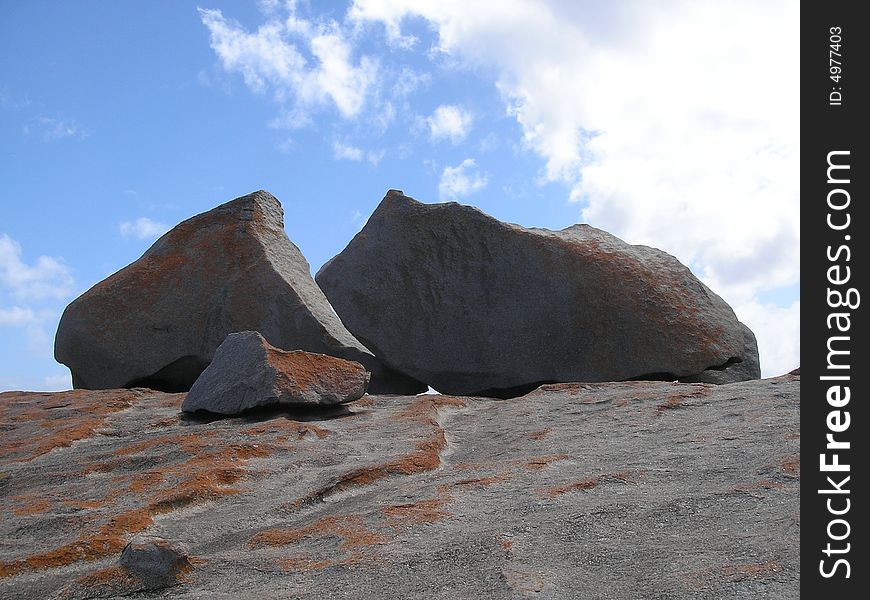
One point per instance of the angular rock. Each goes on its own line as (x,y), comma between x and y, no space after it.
(247,372)
(156,562)
(471,305)
(157,322)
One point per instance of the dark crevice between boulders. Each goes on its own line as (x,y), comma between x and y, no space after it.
(175,377)
(511,392)
(260,414)
(664,376)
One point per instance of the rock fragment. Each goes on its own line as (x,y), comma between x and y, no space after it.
(247,372)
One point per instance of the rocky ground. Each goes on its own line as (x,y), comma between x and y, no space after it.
(615,490)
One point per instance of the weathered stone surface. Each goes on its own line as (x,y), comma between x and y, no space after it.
(613,490)
(247,372)
(471,305)
(155,561)
(748,367)
(157,322)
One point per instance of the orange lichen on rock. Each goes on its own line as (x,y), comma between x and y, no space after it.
(582,485)
(482,482)
(791,465)
(30,505)
(425,408)
(350,529)
(540,434)
(765,484)
(671,403)
(303,563)
(38,423)
(536,463)
(203,476)
(288,427)
(113,576)
(422,511)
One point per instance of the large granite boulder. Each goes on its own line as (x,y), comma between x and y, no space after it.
(471,305)
(247,372)
(157,322)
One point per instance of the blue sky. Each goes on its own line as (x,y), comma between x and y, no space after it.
(651,120)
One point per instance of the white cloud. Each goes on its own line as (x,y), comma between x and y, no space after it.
(47,278)
(55,383)
(659,119)
(56,128)
(409,81)
(449,121)
(17,316)
(346,152)
(143,228)
(274,58)
(342,151)
(460,181)
(780,346)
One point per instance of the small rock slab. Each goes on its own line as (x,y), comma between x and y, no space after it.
(248,372)
(155,561)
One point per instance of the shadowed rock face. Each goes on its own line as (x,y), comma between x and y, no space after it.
(247,372)
(157,322)
(616,490)
(468,304)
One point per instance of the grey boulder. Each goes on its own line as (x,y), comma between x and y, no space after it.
(157,322)
(155,562)
(471,305)
(247,372)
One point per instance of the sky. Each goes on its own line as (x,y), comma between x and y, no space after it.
(668,123)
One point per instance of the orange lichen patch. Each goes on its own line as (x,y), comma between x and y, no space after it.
(110,576)
(303,563)
(164,422)
(482,482)
(288,427)
(426,457)
(422,511)
(540,434)
(584,484)
(171,401)
(204,476)
(38,423)
(145,481)
(506,543)
(350,529)
(425,408)
(31,506)
(189,442)
(671,403)
(791,465)
(536,463)
(308,370)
